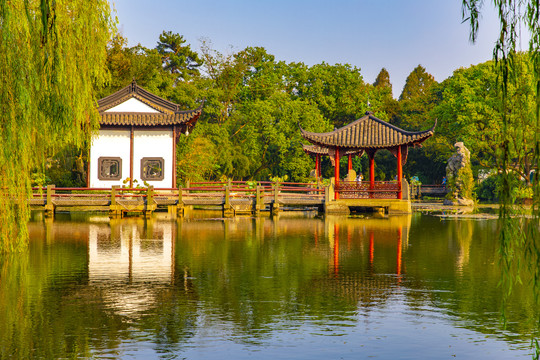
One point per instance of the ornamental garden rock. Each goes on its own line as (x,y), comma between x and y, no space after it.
(459,177)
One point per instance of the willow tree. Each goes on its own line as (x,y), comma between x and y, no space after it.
(52,55)
(518,235)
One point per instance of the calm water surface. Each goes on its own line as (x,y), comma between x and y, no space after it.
(290,287)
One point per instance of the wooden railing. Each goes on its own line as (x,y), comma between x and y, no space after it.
(257,194)
(363,190)
(418,191)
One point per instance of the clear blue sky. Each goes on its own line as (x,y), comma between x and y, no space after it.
(369,34)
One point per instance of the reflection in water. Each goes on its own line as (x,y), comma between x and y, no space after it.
(281,287)
(127,255)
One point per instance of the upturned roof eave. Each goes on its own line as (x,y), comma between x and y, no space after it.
(364,146)
(320,139)
(188,118)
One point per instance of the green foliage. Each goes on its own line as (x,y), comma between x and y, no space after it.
(52,54)
(279,179)
(383,80)
(339,92)
(518,85)
(176,57)
(465,177)
(39,179)
(417,99)
(469,110)
(489,188)
(415,181)
(197,158)
(126,184)
(66,168)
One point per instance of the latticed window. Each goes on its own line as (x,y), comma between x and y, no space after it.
(110,168)
(152,168)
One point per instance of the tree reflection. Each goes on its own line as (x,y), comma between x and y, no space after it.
(87,289)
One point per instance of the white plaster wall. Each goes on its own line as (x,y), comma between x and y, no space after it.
(109,143)
(132,105)
(153,143)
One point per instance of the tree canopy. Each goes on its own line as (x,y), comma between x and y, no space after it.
(176,57)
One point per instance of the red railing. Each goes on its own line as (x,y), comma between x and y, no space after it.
(233,189)
(363,190)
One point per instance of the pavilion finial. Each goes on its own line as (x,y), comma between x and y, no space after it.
(133,86)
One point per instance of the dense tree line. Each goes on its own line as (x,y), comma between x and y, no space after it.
(254,104)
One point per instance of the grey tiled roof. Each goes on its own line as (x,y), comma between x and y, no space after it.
(368,132)
(169,112)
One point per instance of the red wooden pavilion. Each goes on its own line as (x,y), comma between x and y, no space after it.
(368,134)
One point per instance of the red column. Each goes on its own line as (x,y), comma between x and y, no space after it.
(131,150)
(371,173)
(317,165)
(399,173)
(336,173)
(174,157)
(336,249)
(350,163)
(399,245)
(371,248)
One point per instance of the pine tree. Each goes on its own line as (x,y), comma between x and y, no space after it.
(383,80)
(177,57)
(416,99)
(417,84)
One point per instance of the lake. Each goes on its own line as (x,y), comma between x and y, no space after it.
(290,287)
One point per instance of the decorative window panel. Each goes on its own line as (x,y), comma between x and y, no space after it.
(110,168)
(152,169)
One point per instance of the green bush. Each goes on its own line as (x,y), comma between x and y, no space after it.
(488,190)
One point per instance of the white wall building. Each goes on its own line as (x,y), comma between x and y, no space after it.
(137,139)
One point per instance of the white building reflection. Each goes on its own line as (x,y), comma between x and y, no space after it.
(131,262)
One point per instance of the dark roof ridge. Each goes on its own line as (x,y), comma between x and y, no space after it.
(392,126)
(368,132)
(134,91)
(369,115)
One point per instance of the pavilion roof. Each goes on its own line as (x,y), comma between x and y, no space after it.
(167,113)
(368,132)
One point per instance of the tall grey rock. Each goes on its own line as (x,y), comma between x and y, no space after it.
(459,177)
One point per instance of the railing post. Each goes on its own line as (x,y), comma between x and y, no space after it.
(180,204)
(275,204)
(114,208)
(258,201)
(49,206)
(227,196)
(150,205)
(113,195)
(188,185)
(228,210)
(326,198)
